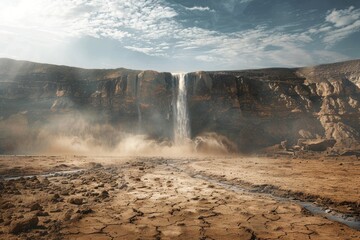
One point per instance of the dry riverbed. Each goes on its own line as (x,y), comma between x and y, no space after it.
(190,198)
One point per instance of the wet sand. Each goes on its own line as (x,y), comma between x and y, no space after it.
(189,198)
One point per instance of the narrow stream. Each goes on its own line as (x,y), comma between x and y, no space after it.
(50,174)
(314,209)
(311,207)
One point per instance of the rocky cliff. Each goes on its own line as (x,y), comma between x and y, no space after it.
(254,109)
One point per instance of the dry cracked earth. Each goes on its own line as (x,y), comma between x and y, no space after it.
(109,198)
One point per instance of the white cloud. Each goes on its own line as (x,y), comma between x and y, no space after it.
(341,18)
(338,25)
(245,1)
(199,8)
(342,24)
(152,51)
(150,27)
(69,18)
(338,34)
(206,58)
(140,49)
(246,48)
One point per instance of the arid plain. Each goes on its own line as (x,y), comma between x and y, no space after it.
(78,197)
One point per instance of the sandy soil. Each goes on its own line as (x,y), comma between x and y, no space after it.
(334,180)
(162,198)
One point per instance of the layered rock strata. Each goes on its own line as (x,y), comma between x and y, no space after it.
(252,108)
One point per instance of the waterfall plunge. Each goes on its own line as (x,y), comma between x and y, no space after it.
(137,96)
(181,123)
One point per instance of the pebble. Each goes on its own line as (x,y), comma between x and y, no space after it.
(104,194)
(76,201)
(42,214)
(35,207)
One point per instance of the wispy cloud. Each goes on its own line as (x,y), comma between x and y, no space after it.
(245,1)
(199,8)
(154,28)
(117,19)
(338,24)
(344,23)
(345,17)
(152,51)
(247,48)
(337,35)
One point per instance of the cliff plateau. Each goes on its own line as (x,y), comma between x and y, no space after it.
(314,108)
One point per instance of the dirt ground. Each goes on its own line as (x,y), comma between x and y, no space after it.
(244,198)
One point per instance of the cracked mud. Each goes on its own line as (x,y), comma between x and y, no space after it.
(160,198)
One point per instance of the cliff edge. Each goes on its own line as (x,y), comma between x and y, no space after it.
(315,108)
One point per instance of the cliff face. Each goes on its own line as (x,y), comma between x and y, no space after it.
(258,108)
(253,108)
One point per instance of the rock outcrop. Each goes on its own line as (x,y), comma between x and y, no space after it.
(252,108)
(258,108)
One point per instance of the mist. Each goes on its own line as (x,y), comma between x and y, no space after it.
(79,133)
(81,138)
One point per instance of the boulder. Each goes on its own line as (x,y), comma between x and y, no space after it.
(318,144)
(23,225)
(350,153)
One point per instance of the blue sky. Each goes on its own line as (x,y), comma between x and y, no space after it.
(180,35)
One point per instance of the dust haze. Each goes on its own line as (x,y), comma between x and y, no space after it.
(80,134)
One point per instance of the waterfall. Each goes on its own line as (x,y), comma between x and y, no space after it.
(181,121)
(137,96)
